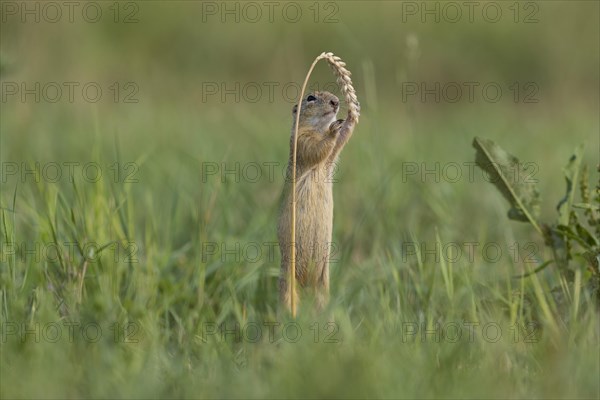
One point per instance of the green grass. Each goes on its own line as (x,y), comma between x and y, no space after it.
(175,272)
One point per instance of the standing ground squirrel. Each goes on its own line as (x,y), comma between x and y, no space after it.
(320,140)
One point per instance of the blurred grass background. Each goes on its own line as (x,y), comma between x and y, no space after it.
(174,289)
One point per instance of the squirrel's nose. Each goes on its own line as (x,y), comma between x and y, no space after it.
(334,103)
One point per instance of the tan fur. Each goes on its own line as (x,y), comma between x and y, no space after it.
(320,140)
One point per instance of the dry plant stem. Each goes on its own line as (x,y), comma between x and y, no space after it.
(80,297)
(343,79)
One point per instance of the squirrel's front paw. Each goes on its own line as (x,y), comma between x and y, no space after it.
(336,125)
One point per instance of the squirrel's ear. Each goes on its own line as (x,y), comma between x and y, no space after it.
(295,109)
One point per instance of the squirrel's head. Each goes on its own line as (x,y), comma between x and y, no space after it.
(318,111)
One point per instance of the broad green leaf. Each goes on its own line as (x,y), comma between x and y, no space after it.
(511,178)
(593,258)
(571,171)
(586,236)
(556,238)
(536,270)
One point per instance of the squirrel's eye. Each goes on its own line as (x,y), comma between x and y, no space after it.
(311,98)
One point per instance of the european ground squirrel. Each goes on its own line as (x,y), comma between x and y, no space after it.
(321,138)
